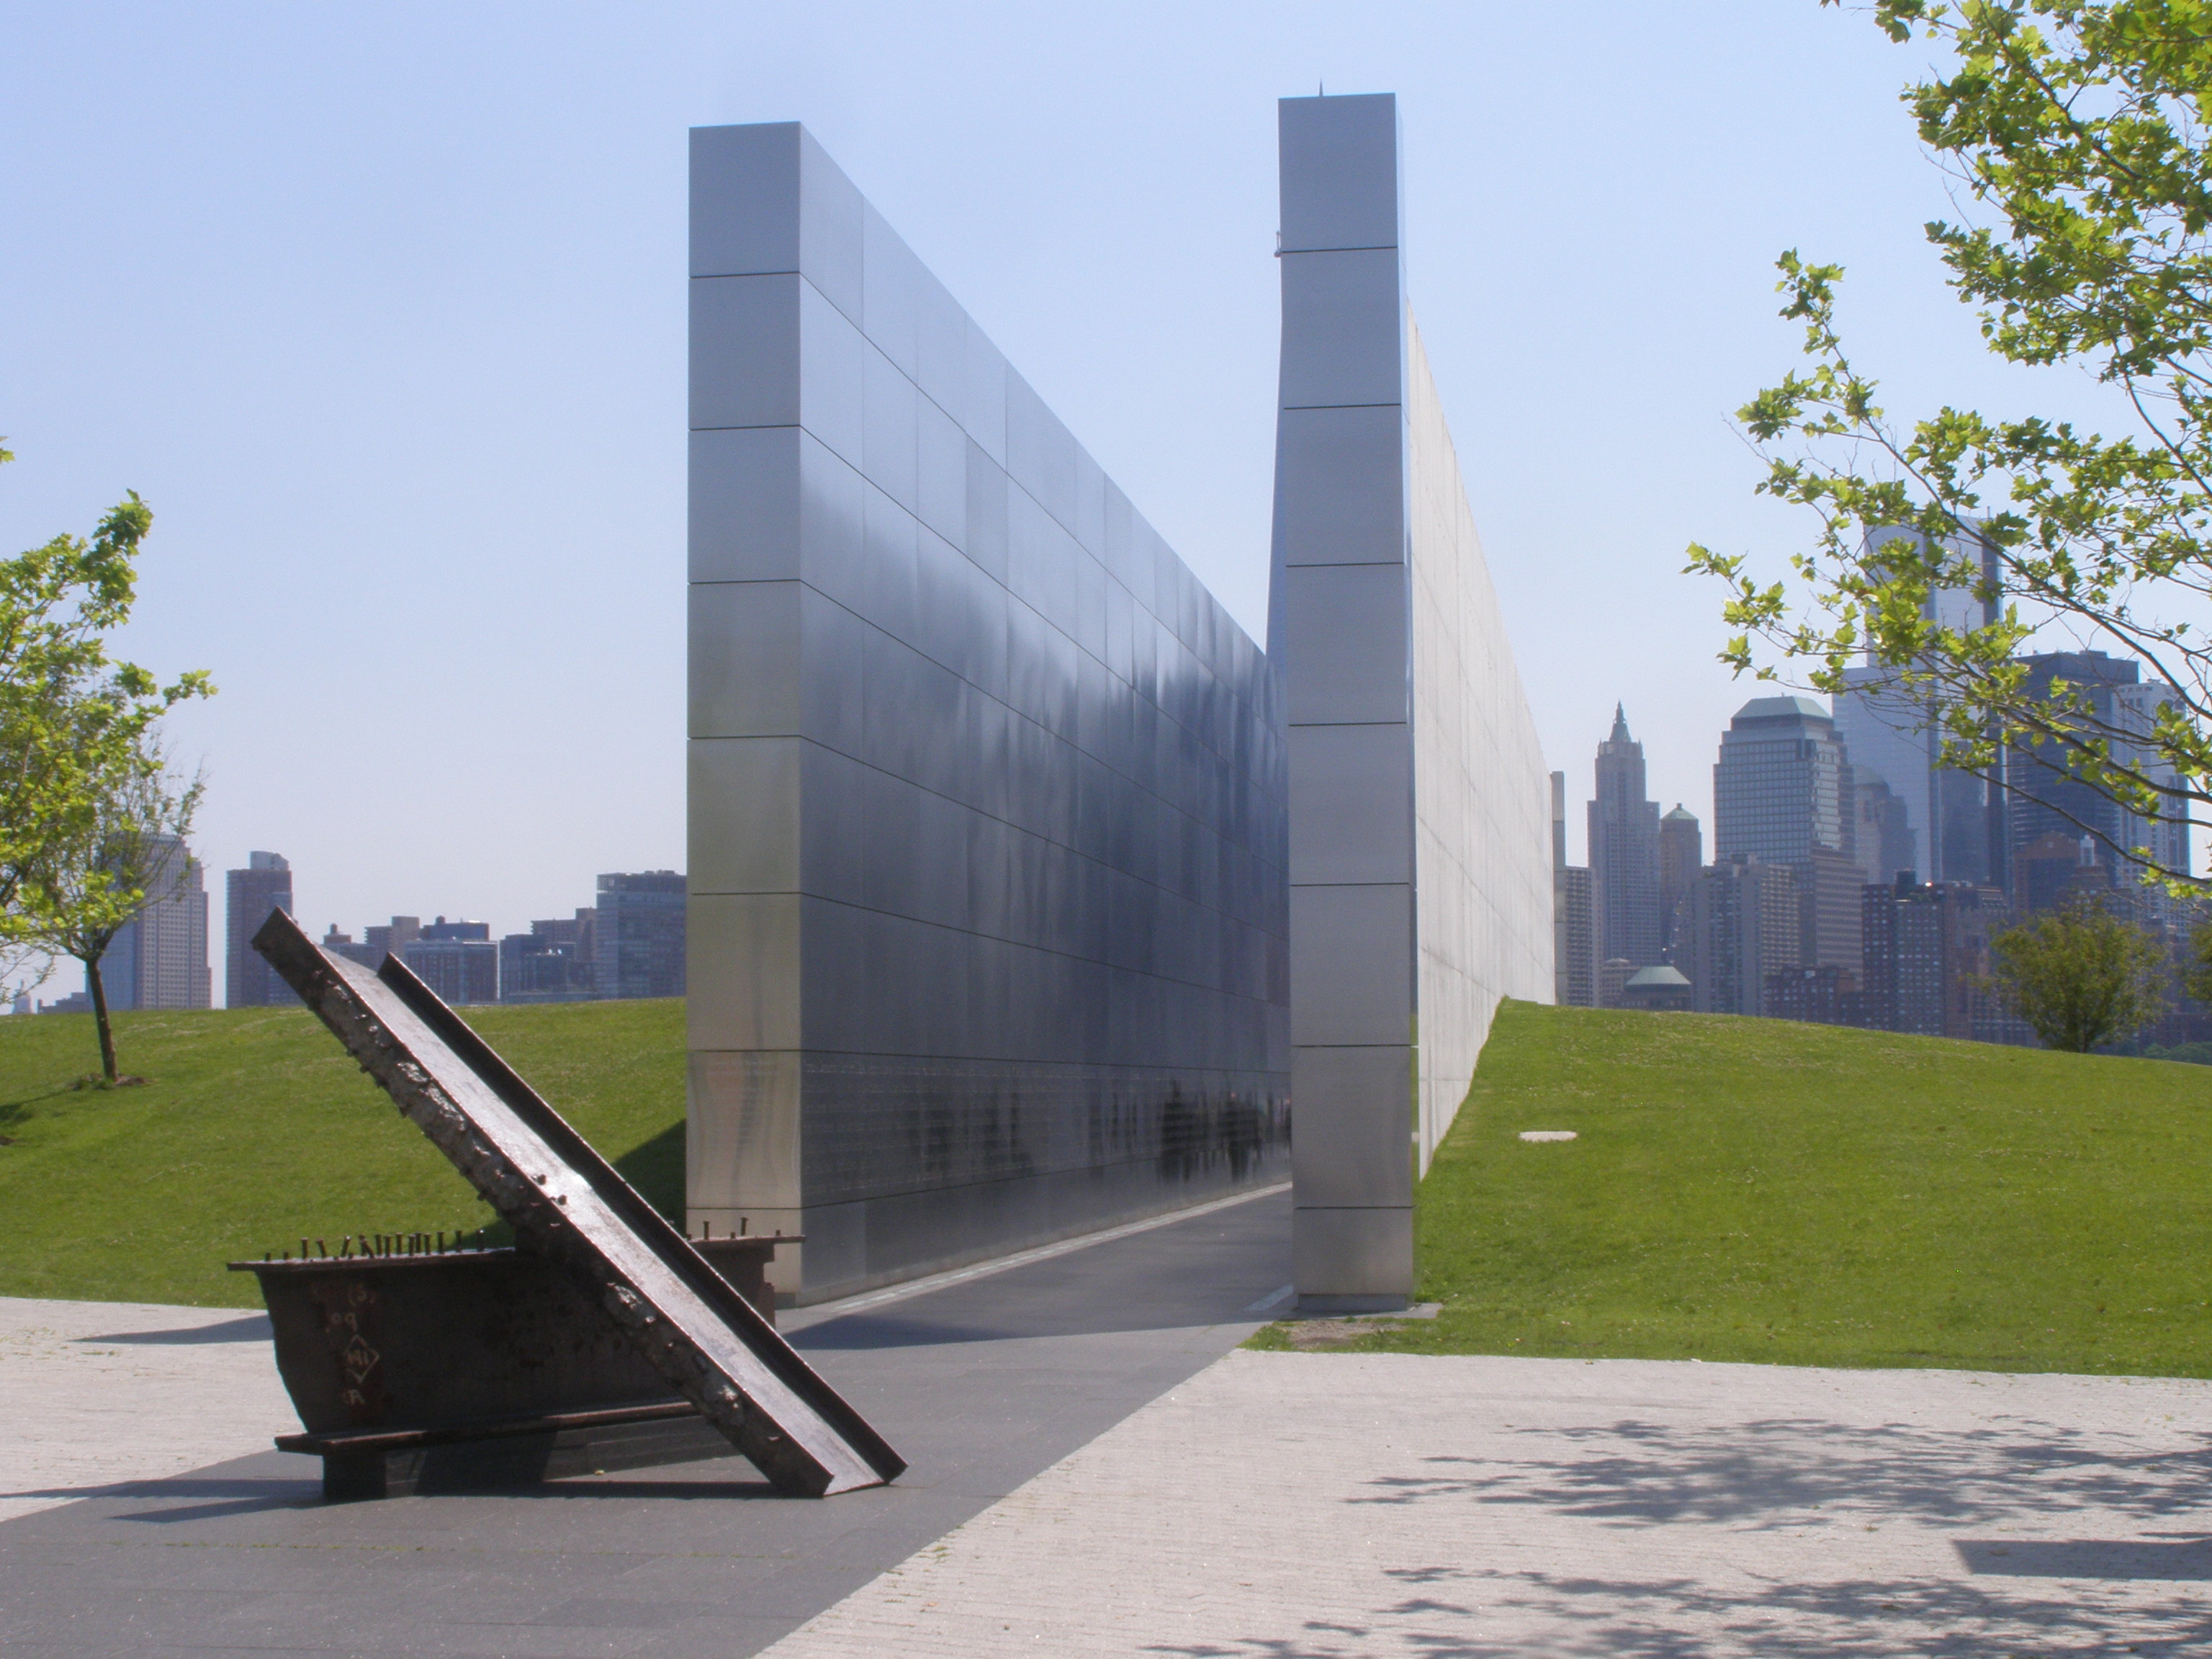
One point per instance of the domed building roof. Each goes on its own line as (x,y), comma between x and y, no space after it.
(1655,979)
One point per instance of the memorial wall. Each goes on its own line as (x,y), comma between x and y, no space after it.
(1419,863)
(986,914)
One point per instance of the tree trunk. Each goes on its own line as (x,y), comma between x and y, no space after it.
(99,1019)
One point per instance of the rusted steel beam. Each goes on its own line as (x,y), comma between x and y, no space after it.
(568,1204)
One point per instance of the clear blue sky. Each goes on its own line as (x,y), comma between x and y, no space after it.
(382,311)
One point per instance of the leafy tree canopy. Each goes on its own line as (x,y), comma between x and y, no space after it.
(72,719)
(2074,131)
(2080,977)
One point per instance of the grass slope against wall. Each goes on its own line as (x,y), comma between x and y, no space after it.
(254,1129)
(1746,1189)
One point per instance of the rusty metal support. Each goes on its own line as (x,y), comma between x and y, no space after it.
(567,1204)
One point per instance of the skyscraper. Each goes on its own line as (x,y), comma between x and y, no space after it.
(639,935)
(2045,800)
(1881,833)
(159,959)
(1928,957)
(250,895)
(1574,962)
(1953,818)
(1624,852)
(1681,855)
(1745,923)
(1780,793)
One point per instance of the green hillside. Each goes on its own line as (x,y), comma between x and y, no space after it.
(254,1129)
(1758,1190)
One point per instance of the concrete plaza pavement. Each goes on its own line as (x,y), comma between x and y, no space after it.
(1328,1505)
(1096,1472)
(980,1383)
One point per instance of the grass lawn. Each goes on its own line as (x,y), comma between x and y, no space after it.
(254,1129)
(1747,1189)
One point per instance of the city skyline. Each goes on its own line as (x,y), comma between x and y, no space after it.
(437,448)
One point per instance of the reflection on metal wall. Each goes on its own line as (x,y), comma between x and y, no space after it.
(986,914)
(1420,878)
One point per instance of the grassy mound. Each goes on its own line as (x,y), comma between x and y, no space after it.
(1759,1190)
(253,1130)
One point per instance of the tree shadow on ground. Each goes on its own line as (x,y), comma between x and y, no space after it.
(1816,1485)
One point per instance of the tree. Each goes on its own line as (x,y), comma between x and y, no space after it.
(82,889)
(2080,977)
(79,751)
(2077,129)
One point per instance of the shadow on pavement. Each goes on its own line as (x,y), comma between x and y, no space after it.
(247,1328)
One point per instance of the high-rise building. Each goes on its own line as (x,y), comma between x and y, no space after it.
(1574,962)
(1926,959)
(1955,818)
(456,959)
(249,896)
(638,935)
(1624,852)
(1881,833)
(159,959)
(1681,855)
(1780,793)
(2057,870)
(2044,798)
(1745,923)
(554,962)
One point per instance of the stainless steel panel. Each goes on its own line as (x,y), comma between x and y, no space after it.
(832,355)
(1346,309)
(890,310)
(833,826)
(741,970)
(742,1131)
(830,212)
(1352,965)
(744,659)
(1351,804)
(1089,525)
(984,414)
(1028,440)
(983,797)
(1346,662)
(944,624)
(1340,486)
(887,593)
(744,505)
(941,348)
(940,472)
(744,811)
(744,351)
(744,199)
(1359,1254)
(985,543)
(889,435)
(1340,171)
(833,648)
(1351,1144)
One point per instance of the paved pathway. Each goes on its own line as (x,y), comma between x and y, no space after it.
(1095,1473)
(1314,1506)
(980,1383)
(93,1393)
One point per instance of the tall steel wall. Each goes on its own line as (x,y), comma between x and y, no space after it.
(986,918)
(1420,868)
